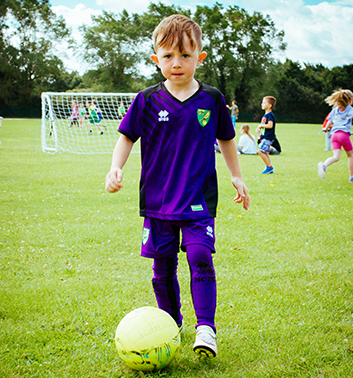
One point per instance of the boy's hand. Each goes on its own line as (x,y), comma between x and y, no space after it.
(243,195)
(113,180)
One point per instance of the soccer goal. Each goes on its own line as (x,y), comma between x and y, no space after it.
(82,123)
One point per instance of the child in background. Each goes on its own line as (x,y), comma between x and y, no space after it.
(82,114)
(98,112)
(340,119)
(234,111)
(268,123)
(327,134)
(178,121)
(74,114)
(93,118)
(246,144)
(121,110)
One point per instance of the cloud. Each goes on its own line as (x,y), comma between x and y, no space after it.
(74,19)
(132,6)
(314,33)
(320,33)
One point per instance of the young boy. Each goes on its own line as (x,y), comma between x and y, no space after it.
(268,123)
(178,121)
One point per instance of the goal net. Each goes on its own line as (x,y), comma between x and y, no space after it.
(82,123)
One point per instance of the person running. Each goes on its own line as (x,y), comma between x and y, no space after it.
(340,119)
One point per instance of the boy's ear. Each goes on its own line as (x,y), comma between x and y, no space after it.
(154,57)
(202,56)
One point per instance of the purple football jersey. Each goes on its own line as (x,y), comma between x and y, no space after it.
(178,176)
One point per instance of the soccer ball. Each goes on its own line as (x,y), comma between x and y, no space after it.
(147,339)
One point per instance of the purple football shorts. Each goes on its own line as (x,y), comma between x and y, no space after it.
(161,238)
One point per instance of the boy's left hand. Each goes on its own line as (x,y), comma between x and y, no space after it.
(243,195)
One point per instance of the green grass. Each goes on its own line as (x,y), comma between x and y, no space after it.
(70,267)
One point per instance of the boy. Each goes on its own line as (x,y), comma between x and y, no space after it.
(178,121)
(268,123)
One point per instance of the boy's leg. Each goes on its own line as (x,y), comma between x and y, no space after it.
(264,152)
(265,158)
(204,296)
(166,287)
(202,284)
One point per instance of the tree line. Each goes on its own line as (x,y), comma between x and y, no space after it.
(242,61)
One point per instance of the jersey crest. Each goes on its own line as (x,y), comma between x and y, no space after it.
(203,116)
(145,235)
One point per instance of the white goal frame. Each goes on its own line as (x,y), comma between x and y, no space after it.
(63,131)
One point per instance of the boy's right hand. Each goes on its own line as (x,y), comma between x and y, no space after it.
(113,180)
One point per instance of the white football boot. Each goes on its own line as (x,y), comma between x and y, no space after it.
(205,343)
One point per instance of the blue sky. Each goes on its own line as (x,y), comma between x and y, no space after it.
(316,31)
(93,3)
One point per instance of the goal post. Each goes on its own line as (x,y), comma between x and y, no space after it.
(82,123)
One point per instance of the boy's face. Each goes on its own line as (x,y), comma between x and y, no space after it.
(179,67)
(265,105)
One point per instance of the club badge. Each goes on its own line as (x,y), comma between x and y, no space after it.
(203,116)
(145,235)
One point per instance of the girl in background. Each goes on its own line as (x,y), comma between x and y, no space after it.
(340,119)
(75,114)
(82,113)
(246,144)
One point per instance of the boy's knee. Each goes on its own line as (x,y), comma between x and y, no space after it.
(200,256)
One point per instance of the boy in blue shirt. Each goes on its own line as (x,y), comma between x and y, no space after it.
(268,123)
(177,122)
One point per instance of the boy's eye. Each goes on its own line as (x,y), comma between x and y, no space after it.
(186,55)
(168,56)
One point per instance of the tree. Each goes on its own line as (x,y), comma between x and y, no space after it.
(113,47)
(240,50)
(119,45)
(27,63)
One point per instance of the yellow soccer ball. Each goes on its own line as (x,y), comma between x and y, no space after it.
(147,339)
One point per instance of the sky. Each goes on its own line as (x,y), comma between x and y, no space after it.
(315,31)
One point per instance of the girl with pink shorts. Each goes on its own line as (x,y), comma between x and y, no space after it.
(341,121)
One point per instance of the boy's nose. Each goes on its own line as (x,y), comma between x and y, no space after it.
(176,63)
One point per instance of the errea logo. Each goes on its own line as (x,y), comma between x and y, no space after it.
(209,231)
(163,116)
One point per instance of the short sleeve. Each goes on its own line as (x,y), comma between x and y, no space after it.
(130,126)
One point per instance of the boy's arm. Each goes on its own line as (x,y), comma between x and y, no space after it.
(230,155)
(268,125)
(120,155)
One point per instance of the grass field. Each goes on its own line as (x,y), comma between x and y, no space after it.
(70,266)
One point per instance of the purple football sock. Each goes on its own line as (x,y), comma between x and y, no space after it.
(166,287)
(202,283)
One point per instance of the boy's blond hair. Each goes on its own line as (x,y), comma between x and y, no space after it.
(341,98)
(171,30)
(271,100)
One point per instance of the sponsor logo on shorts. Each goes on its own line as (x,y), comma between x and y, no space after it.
(196,207)
(209,231)
(145,235)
